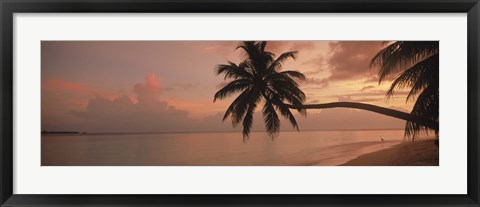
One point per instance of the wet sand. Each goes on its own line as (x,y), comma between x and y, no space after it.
(417,153)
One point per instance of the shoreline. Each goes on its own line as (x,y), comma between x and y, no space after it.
(341,153)
(418,153)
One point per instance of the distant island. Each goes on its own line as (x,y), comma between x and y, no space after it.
(62,132)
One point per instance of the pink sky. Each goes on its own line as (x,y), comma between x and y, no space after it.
(153,86)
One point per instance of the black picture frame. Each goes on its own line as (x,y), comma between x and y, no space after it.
(9,7)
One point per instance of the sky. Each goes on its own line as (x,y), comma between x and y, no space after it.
(168,86)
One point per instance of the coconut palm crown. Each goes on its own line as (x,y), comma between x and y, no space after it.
(259,79)
(416,66)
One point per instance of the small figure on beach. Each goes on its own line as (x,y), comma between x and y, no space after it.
(381,139)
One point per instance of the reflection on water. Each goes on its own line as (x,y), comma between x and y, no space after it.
(214,149)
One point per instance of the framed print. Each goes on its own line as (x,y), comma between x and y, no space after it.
(265,103)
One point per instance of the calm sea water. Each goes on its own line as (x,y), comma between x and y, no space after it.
(214,149)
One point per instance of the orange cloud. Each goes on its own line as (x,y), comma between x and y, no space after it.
(199,108)
(351,59)
(284,46)
(149,90)
(76,93)
(62,85)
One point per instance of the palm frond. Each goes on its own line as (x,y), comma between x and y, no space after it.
(427,107)
(283,84)
(232,70)
(287,90)
(402,54)
(276,99)
(294,74)
(248,118)
(283,78)
(429,77)
(272,123)
(258,58)
(277,63)
(285,112)
(417,77)
(263,45)
(241,108)
(241,99)
(231,88)
(292,96)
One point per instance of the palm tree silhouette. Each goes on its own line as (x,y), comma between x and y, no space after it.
(259,77)
(417,66)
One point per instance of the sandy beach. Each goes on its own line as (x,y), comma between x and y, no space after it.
(417,153)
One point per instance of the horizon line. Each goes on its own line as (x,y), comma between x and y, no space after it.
(179,132)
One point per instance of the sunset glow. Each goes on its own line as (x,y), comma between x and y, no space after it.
(157,86)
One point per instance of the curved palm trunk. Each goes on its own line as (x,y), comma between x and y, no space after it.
(377,109)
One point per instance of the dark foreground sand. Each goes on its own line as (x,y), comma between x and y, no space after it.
(417,153)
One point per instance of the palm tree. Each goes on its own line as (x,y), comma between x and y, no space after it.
(416,64)
(259,77)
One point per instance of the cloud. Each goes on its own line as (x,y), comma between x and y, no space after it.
(376,93)
(351,59)
(149,90)
(73,90)
(370,96)
(374,79)
(302,45)
(277,47)
(320,83)
(350,99)
(62,85)
(221,46)
(121,114)
(227,49)
(184,86)
(284,46)
(367,88)
(345,98)
(317,61)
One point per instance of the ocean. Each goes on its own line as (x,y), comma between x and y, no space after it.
(289,148)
